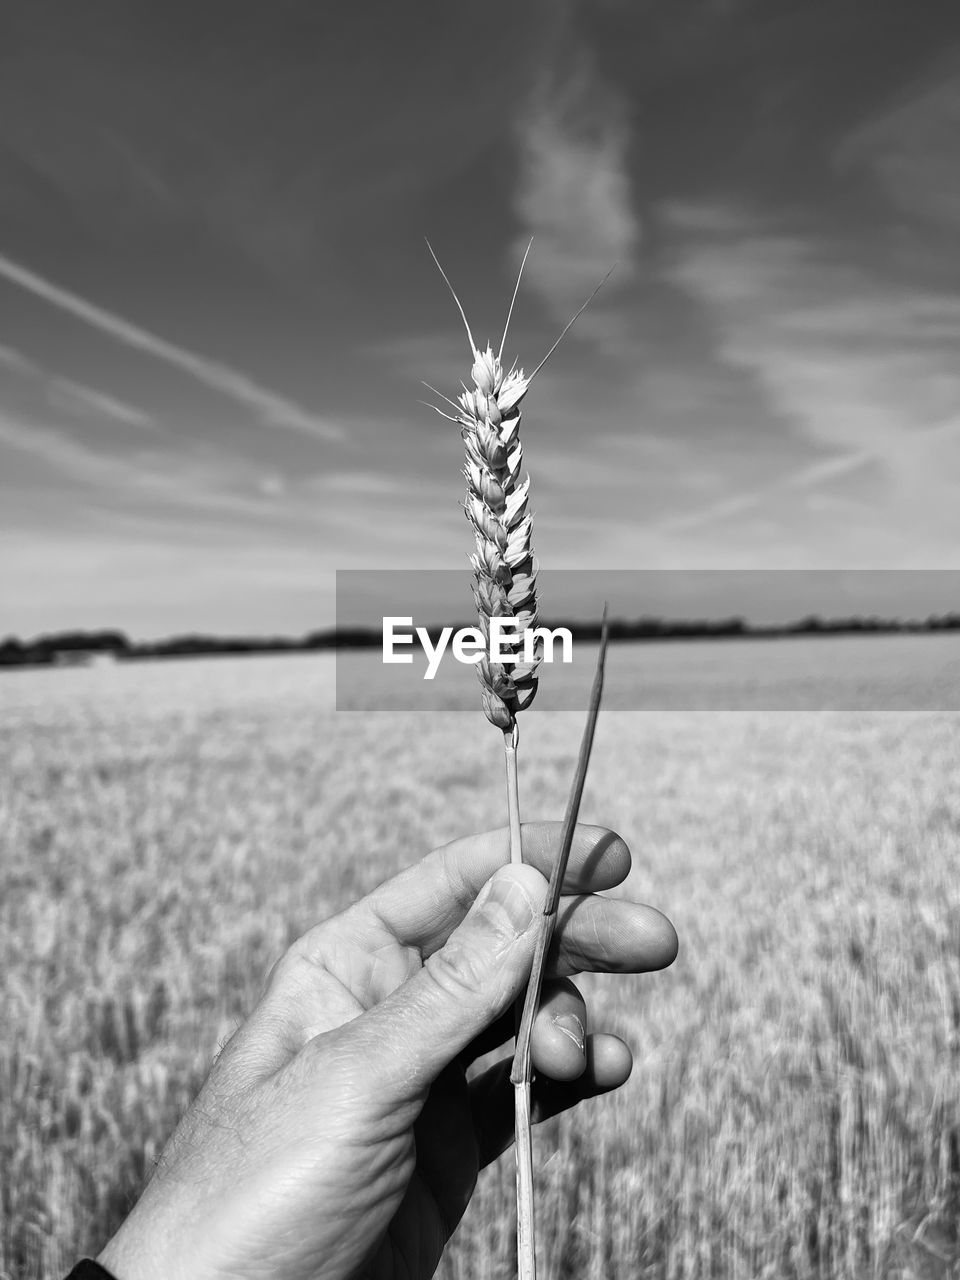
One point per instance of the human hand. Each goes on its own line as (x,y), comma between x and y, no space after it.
(337,1135)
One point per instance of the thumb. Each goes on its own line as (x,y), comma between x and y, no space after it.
(481,969)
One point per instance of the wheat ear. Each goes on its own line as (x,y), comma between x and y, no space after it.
(505,587)
(497,508)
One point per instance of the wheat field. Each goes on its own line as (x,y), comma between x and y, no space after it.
(167,829)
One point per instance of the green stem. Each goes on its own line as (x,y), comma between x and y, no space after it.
(522,1072)
(510,739)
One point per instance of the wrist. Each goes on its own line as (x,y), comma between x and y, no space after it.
(126,1258)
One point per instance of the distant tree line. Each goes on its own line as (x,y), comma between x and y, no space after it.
(72,647)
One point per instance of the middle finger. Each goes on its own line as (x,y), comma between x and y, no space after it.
(610,935)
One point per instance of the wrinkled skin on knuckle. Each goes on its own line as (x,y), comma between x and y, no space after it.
(471,962)
(473,973)
(279,974)
(287,973)
(459,969)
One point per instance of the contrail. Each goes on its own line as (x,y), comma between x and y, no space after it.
(276,410)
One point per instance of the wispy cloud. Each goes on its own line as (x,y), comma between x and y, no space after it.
(574,192)
(74,398)
(274,410)
(910,149)
(64,393)
(96,578)
(359,483)
(326,513)
(855,365)
(16,360)
(181,481)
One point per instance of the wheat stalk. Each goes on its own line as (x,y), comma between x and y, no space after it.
(505,587)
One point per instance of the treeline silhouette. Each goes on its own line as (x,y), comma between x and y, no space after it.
(67,648)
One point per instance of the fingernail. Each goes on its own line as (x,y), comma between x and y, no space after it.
(571,1026)
(514,900)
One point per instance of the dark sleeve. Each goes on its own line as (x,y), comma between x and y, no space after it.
(87,1269)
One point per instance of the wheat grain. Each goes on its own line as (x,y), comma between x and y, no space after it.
(497,506)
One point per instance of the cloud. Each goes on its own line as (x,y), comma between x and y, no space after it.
(272,485)
(702,218)
(96,578)
(197,481)
(911,148)
(857,367)
(15,360)
(573,192)
(342,518)
(273,409)
(372,483)
(75,397)
(72,396)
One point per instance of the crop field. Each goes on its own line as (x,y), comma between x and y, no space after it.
(794,1111)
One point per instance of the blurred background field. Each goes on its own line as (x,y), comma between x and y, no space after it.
(166,829)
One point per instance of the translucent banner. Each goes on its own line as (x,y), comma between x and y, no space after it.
(881,640)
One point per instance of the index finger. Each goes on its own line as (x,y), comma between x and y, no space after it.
(422,905)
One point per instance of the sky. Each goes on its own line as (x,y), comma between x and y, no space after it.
(217,309)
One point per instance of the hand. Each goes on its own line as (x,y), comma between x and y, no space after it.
(337,1134)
